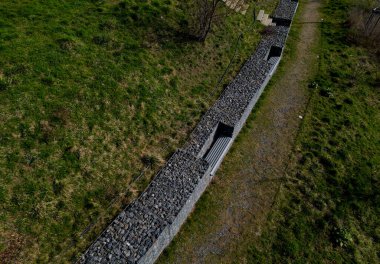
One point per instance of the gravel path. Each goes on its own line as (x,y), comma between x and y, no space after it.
(245,186)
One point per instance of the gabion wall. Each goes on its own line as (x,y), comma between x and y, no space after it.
(143,229)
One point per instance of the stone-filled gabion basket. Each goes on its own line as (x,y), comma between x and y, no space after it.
(143,229)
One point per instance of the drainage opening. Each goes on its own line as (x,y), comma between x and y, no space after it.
(222,138)
(274,55)
(282,22)
(274,52)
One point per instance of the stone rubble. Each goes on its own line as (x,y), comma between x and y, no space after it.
(285,9)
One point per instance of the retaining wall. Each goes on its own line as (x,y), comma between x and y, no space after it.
(143,229)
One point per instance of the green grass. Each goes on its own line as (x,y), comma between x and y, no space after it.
(89,92)
(327,211)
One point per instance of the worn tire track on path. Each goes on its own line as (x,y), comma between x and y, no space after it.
(235,207)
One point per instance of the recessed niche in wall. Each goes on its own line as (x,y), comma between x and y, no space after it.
(222,138)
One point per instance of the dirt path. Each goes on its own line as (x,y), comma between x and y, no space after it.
(234,207)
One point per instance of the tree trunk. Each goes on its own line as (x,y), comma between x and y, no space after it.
(206,18)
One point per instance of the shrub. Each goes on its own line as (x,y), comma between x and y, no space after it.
(363,31)
(3,85)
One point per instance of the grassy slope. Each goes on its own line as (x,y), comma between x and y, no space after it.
(89,92)
(328,208)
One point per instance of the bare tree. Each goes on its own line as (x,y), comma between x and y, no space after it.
(206,12)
